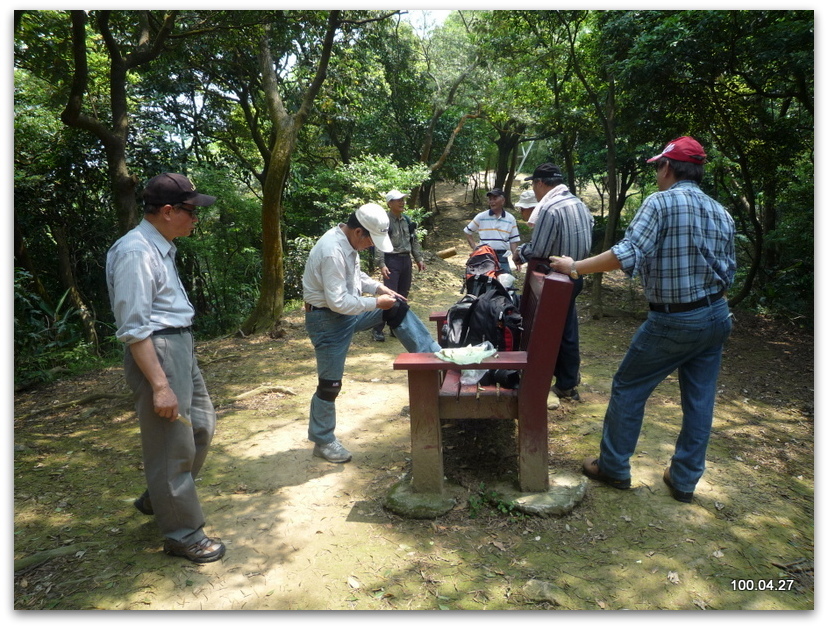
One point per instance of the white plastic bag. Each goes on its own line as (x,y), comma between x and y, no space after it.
(472,354)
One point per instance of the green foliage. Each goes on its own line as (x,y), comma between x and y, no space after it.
(787,288)
(47,339)
(492,499)
(320,198)
(222,260)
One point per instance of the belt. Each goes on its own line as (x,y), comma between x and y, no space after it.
(313,308)
(673,308)
(172,330)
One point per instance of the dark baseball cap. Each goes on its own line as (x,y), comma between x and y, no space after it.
(495,192)
(546,171)
(171,189)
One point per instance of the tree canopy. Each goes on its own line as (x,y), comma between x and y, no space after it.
(293,118)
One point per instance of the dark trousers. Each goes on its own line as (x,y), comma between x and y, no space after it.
(569,356)
(401,272)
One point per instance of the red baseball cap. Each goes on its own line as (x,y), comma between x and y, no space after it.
(682,149)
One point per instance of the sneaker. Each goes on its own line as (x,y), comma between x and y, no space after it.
(206,550)
(332,452)
(566,393)
(378,335)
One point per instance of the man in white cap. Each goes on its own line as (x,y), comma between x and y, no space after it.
(395,265)
(335,308)
(528,206)
(681,243)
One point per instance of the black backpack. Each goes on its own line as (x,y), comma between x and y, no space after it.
(493,316)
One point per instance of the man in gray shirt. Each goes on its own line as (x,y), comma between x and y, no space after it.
(563,227)
(153,317)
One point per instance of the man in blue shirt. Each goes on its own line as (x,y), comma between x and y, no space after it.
(681,244)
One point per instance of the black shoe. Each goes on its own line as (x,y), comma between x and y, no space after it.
(592,470)
(679,496)
(143,504)
(206,550)
(378,335)
(568,393)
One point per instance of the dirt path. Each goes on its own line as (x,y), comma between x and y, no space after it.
(305,534)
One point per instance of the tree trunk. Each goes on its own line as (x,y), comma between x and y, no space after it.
(614,210)
(271,303)
(67,277)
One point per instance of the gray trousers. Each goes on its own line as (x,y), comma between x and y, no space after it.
(174,452)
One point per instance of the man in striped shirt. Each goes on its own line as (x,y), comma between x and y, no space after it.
(682,245)
(495,227)
(563,227)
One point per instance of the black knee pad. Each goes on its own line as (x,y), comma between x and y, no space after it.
(328,389)
(395,315)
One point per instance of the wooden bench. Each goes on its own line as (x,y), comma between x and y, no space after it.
(435,391)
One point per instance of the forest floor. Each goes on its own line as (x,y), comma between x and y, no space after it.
(304,534)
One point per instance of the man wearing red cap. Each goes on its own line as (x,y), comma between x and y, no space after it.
(681,244)
(153,317)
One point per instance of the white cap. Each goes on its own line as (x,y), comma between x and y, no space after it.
(527,199)
(375,220)
(393,195)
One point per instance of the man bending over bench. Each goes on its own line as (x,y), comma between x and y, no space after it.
(333,285)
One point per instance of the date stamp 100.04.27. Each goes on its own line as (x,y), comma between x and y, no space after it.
(762,584)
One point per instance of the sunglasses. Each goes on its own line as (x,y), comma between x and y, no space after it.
(193,211)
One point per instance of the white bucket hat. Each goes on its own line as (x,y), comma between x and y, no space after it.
(527,199)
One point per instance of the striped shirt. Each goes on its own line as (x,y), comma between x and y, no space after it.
(497,231)
(145,291)
(681,244)
(333,277)
(563,227)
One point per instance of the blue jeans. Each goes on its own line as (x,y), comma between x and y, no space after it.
(691,342)
(331,334)
(503,257)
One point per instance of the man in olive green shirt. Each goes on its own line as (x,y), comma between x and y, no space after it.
(396,266)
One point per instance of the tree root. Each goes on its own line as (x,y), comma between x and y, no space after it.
(264,388)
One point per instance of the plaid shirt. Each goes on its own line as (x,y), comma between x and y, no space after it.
(563,227)
(681,243)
